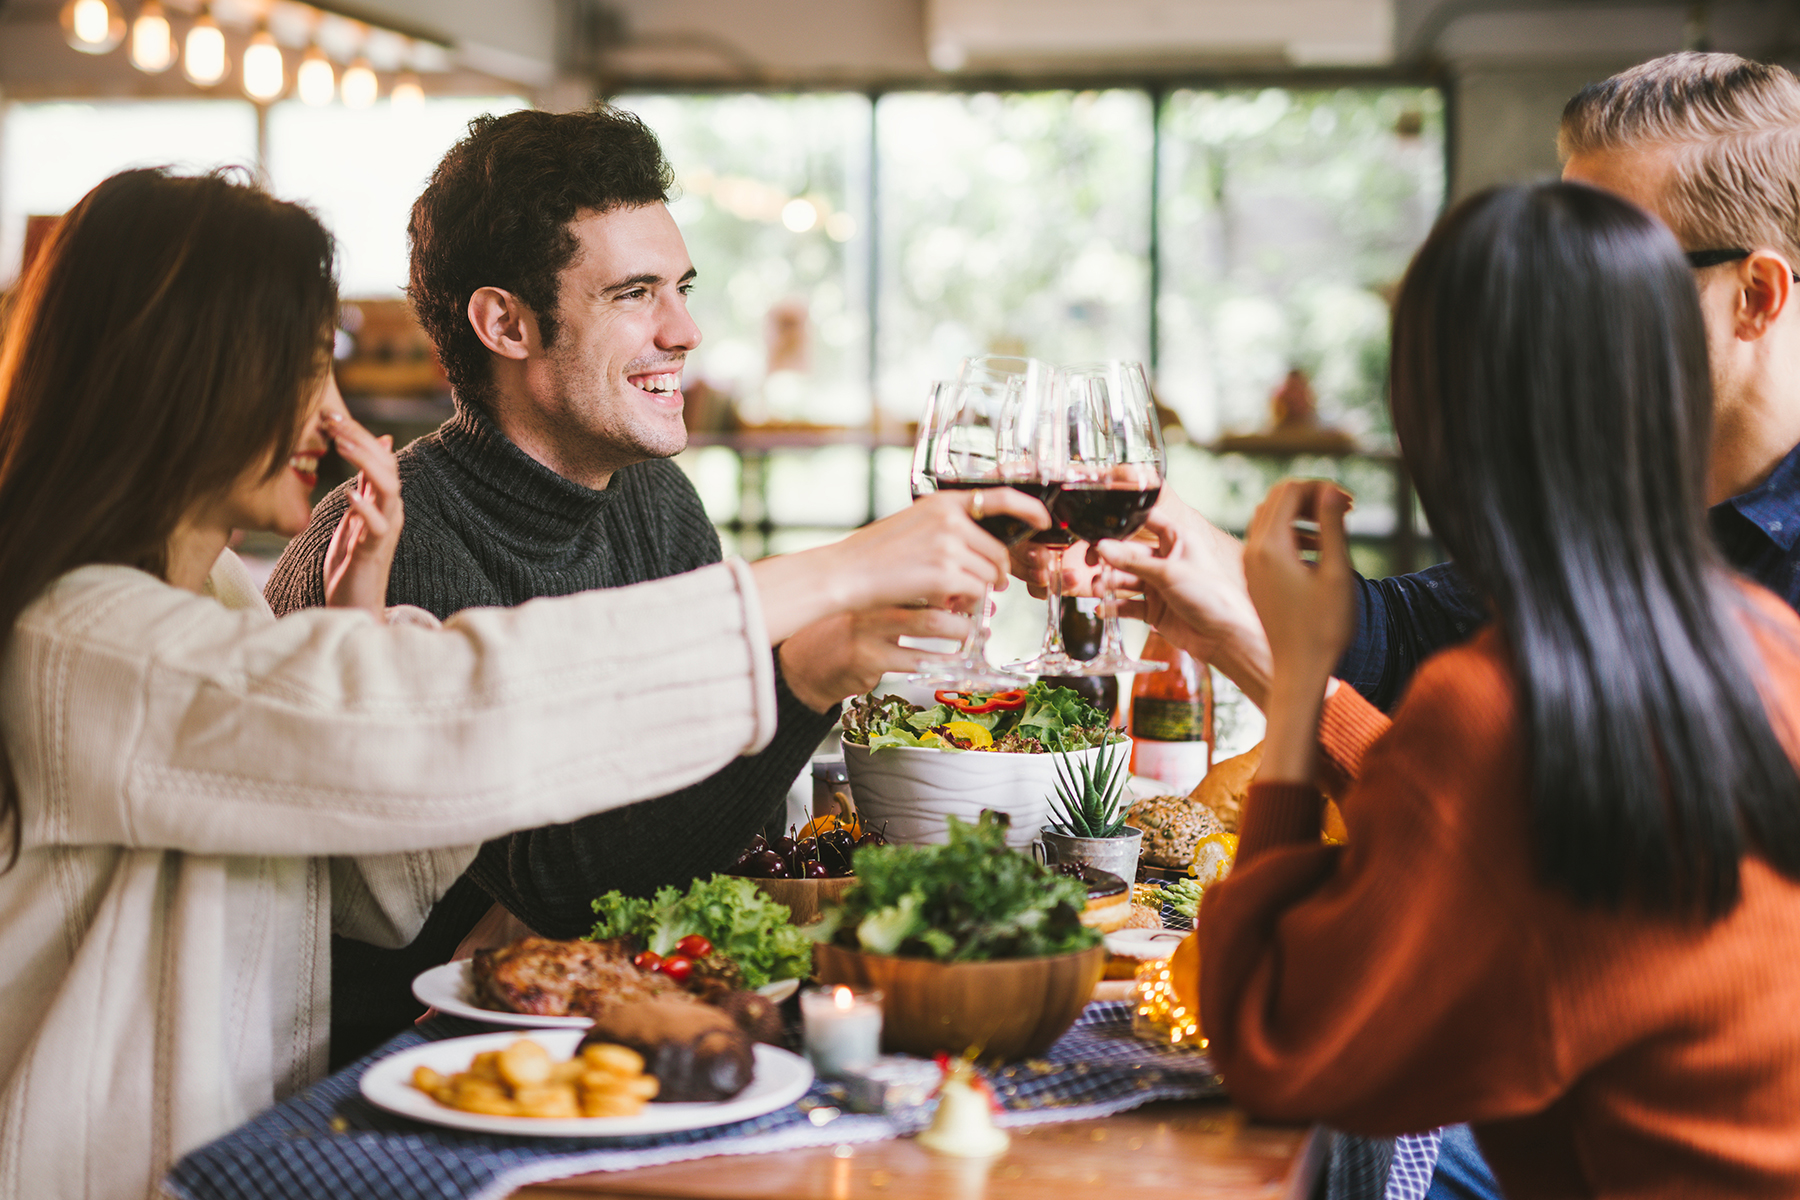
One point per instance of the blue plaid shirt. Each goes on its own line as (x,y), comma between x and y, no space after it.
(1404,620)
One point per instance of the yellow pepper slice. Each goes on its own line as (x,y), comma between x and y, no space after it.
(976,735)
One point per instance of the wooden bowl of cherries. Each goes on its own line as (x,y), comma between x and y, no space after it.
(808,868)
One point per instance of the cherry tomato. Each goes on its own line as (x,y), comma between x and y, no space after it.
(677,967)
(647,960)
(694,946)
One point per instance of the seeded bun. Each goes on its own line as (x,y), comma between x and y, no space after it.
(1173,826)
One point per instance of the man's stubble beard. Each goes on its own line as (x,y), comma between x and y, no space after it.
(599,422)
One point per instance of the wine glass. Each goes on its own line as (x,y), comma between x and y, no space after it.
(920,475)
(1112,474)
(1038,420)
(973,435)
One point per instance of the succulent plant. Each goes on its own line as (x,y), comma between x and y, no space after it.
(1090,796)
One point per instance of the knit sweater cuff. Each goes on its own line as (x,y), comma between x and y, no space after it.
(1348,726)
(1278,814)
(789,707)
(762,665)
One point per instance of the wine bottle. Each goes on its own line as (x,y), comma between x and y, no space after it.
(1172,718)
(1081,638)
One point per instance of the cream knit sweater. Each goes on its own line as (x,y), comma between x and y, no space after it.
(207,792)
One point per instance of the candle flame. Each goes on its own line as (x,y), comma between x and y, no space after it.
(844,999)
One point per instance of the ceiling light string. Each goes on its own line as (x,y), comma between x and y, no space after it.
(153,47)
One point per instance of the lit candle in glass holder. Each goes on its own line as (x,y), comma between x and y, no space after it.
(842,1028)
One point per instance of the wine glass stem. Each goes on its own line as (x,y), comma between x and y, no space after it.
(1112,640)
(974,647)
(1053,638)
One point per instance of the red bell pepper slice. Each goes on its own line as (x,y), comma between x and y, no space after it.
(965,702)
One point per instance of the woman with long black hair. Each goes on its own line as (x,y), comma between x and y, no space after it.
(1568,907)
(193,794)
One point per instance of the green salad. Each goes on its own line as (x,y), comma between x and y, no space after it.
(1034,720)
(972,900)
(741,922)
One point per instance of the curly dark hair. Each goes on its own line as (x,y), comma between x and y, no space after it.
(497,211)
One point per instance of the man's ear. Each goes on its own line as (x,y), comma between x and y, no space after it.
(1765,286)
(503,322)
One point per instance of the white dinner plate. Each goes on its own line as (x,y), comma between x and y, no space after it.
(1146,944)
(781,1078)
(449,990)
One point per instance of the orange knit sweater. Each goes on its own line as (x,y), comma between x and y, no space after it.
(1421,976)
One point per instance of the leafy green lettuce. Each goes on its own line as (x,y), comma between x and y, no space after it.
(739,920)
(972,900)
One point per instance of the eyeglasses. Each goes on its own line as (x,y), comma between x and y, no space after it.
(1701,259)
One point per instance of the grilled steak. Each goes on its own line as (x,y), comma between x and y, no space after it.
(547,978)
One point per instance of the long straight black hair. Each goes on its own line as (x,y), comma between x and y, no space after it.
(1551,395)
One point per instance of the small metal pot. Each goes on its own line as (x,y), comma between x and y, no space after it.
(1116,854)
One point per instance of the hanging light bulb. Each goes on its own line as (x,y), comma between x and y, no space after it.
(316,81)
(203,58)
(93,26)
(152,45)
(408,91)
(360,86)
(265,73)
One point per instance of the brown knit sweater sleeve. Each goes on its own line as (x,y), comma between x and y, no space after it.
(1367,985)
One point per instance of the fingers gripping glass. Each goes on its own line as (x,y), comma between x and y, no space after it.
(974,435)
(1039,421)
(1112,473)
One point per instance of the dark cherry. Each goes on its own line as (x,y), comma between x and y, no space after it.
(783,846)
(816,870)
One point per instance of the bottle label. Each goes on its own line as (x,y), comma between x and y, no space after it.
(1168,720)
(1180,765)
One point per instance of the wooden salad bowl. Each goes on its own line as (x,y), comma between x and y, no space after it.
(805,898)
(1004,1010)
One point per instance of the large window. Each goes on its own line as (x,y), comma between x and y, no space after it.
(52,154)
(1228,236)
(1010,224)
(359,170)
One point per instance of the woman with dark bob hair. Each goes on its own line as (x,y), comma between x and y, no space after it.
(195,794)
(1568,907)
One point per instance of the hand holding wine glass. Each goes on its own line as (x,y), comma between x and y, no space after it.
(1112,474)
(977,436)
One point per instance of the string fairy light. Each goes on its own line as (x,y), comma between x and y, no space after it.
(1157,1014)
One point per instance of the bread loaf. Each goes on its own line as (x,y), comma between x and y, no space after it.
(1225,786)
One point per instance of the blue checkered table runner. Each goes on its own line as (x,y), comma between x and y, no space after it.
(328,1140)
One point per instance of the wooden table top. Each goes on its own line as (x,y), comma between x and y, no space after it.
(1185,1150)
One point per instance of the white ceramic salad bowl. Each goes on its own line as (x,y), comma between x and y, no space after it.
(911,791)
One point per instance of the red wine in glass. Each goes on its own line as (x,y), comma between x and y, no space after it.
(1005,526)
(1092,511)
(1045,493)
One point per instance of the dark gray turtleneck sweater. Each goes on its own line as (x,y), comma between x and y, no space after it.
(488,525)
